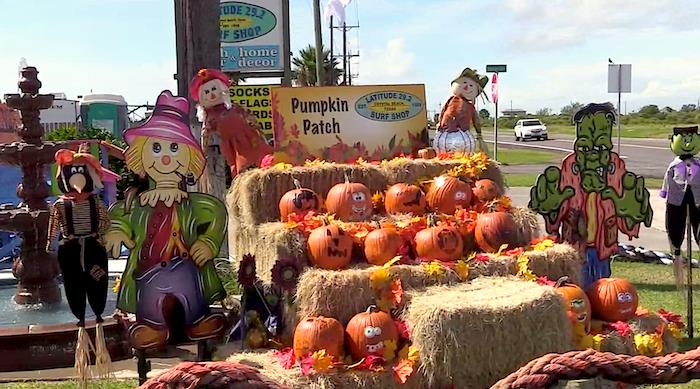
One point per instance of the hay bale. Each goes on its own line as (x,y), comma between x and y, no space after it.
(343,294)
(413,170)
(558,261)
(615,343)
(648,323)
(472,335)
(528,225)
(255,194)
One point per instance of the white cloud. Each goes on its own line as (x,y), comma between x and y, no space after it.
(389,64)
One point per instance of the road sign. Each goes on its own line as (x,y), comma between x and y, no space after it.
(495,68)
(619,78)
(494,88)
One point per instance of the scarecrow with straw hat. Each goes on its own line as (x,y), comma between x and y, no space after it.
(173,235)
(82,219)
(459,117)
(240,139)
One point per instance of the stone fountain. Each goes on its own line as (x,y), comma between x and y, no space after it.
(35,269)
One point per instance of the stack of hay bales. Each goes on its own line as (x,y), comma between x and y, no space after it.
(468,335)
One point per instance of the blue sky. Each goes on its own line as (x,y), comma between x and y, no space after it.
(556,51)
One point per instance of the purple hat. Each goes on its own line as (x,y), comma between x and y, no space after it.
(169,122)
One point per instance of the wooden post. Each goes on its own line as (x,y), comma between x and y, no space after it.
(319,43)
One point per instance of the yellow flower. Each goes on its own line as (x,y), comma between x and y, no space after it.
(322,361)
(543,245)
(502,249)
(409,353)
(391,262)
(462,270)
(117,284)
(282,166)
(316,162)
(649,344)
(434,269)
(597,342)
(389,349)
(675,331)
(379,278)
(524,269)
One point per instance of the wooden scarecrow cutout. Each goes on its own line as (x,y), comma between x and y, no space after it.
(240,139)
(681,189)
(173,235)
(81,219)
(459,119)
(592,196)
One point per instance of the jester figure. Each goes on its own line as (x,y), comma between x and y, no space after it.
(681,189)
(173,235)
(592,197)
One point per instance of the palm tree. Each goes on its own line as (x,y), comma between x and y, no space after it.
(304,71)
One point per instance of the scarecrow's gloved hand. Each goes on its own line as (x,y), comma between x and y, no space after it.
(114,240)
(201,253)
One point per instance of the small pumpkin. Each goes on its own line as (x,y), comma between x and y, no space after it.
(576,300)
(441,243)
(299,200)
(613,299)
(447,193)
(485,190)
(382,245)
(494,229)
(367,331)
(427,153)
(319,333)
(350,201)
(330,247)
(404,198)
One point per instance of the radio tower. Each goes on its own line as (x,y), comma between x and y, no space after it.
(347,53)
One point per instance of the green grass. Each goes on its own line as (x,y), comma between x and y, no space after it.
(527,157)
(515,180)
(652,130)
(112,384)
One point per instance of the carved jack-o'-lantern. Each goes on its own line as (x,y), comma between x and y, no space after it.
(441,243)
(330,247)
(576,300)
(350,201)
(404,198)
(366,333)
(299,200)
(447,193)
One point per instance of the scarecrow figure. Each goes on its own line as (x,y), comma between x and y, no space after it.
(81,218)
(681,189)
(173,236)
(592,197)
(240,139)
(459,117)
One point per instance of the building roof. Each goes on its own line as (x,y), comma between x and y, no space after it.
(9,119)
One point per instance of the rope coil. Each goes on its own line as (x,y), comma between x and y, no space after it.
(211,375)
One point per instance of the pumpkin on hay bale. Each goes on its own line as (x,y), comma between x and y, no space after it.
(471,335)
(414,170)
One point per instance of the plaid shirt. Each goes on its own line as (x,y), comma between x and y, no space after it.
(680,175)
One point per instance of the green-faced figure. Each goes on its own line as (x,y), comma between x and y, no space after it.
(592,196)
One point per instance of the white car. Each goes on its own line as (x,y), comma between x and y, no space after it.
(530,129)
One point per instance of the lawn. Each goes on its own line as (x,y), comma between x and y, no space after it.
(113,384)
(654,130)
(527,157)
(514,180)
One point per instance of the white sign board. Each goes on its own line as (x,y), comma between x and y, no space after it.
(619,78)
(252,35)
(61,112)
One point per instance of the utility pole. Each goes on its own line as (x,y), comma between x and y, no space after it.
(319,43)
(332,77)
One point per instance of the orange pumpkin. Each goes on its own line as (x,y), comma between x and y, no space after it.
(330,247)
(299,200)
(427,153)
(613,299)
(366,333)
(350,201)
(447,193)
(485,190)
(319,333)
(441,243)
(404,198)
(576,300)
(382,245)
(495,229)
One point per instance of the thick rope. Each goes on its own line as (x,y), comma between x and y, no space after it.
(547,370)
(211,375)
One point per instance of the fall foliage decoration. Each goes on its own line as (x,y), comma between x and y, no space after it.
(299,200)
(382,245)
(440,243)
(367,331)
(350,201)
(319,333)
(404,198)
(485,190)
(494,229)
(330,247)
(447,193)
(576,300)
(613,299)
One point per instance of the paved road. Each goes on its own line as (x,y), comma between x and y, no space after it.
(647,157)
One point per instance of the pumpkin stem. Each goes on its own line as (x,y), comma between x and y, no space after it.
(297,184)
(432,220)
(347,179)
(372,308)
(561,281)
(325,220)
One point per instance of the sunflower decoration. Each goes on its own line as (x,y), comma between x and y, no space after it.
(286,272)
(246,271)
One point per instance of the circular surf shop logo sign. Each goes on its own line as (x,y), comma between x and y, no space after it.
(389,106)
(241,22)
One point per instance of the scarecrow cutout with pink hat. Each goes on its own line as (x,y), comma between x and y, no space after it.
(173,235)
(81,219)
(240,139)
